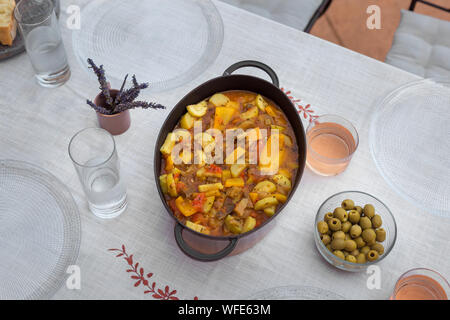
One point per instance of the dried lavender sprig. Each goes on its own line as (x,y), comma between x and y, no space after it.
(100,72)
(123,83)
(138,86)
(138,104)
(131,94)
(128,96)
(135,83)
(117,100)
(98,108)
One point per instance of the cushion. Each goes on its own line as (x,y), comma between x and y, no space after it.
(421,45)
(294,13)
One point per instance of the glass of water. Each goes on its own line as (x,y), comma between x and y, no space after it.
(39,27)
(94,155)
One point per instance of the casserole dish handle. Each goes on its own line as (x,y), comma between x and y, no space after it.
(256,64)
(199,255)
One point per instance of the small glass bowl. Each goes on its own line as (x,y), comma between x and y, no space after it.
(360,198)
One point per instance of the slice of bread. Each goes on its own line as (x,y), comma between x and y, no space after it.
(8,25)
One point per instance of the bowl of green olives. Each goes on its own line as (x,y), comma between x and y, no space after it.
(354,230)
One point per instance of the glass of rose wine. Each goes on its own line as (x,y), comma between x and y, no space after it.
(331,141)
(421,284)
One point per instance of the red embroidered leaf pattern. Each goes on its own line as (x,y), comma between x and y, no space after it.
(304,111)
(139,275)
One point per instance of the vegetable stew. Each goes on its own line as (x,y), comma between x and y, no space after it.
(222,193)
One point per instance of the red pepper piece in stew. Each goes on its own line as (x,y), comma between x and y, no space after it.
(199,201)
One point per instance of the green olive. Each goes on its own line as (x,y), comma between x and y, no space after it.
(361,258)
(322,227)
(378,247)
(348,204)
(338,244)
(371,242)
(354,216)
(341,214)
(369,210)
(329,247)
(328,216)
(365,223)
(360,242)
(355,252)
(346,226)
(376,221)
(347,236)
(350,245)
(381,234)
(355,231)
(334,224)
(338,235)
(339,254)
(326,239)
(369,235)
(350,258)
(364,249)
(345,253)
(372,255)
(359,209)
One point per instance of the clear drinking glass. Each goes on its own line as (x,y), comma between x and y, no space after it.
(331,141)
(421,284)
(94,155)
(39,27)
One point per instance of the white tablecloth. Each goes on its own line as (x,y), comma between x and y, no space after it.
(36,125)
